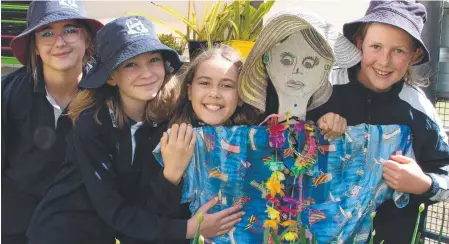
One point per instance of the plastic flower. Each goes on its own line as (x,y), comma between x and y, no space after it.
(288,223)
(273,214)
(271,224)
(290,236)
(274,185)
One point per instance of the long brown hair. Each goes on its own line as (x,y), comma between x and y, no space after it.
(157,109)
(33,62)
(183,113)
(411,77)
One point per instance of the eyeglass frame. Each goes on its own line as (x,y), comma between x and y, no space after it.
(59,34)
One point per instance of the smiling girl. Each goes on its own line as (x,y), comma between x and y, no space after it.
(209,91)
(55,49)
(382,89)
(110,185)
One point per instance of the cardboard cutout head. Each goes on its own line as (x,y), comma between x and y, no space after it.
(297,70)
(295,52)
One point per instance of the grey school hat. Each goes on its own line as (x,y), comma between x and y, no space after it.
(406,15)
(121,40)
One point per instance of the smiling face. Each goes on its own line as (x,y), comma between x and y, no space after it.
(295,69)
(213,92)
(387,54)
(140,78)
(61,45)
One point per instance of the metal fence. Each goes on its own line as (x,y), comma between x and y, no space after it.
(434,219)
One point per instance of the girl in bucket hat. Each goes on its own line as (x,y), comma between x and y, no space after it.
(382,89)
(55,49)
(110,185)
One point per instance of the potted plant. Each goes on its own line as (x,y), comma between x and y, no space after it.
(173,42)
(212,29)
(247,24)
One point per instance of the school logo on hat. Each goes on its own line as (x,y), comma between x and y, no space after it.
(68,3)
(136,27)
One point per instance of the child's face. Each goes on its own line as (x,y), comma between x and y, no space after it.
(213,91)
(139,79)
(387,54)
(61,45)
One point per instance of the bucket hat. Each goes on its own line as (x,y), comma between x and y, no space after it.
(406,15)
(41,13)
(122,39)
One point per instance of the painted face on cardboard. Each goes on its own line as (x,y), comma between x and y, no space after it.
(295,68)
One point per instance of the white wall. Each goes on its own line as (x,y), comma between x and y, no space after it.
(336,12)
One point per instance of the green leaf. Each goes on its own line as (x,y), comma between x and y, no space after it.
(303,235)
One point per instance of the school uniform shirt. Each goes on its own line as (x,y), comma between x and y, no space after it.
(110,187)
(402,105)
(33,132)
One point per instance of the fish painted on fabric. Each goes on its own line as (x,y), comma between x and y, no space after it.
(323,178)
(219,175)
(316,216)
(229,147)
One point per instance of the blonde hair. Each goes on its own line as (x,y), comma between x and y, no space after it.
(183,113)
(411,77)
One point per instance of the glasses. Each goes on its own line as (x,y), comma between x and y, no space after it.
(69,35)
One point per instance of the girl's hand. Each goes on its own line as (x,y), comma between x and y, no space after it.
(404,174)
(215,224)
(177,150)
(332,125)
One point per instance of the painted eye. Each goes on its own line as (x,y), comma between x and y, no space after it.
(287,59)
(310,62)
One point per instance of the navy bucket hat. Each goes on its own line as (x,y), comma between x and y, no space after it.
(122,39)
(406,15)
(41,13)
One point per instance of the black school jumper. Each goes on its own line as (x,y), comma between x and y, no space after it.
(103,193)
(33,148)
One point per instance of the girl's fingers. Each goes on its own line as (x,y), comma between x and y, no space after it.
(173,133)
(164,140)
(193,141)
(229,225)
(188,137)
(231,218)
(181,133)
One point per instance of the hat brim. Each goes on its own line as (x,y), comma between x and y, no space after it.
(387,17)
(97,76)
(19,43)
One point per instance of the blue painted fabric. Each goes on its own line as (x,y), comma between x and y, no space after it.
(339,191)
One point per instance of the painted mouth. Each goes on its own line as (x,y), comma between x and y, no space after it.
(296,85)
